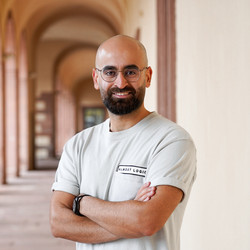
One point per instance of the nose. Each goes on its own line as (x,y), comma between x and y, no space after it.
(121,82)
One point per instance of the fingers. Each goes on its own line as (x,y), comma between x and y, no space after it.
(142,190)
(146,192)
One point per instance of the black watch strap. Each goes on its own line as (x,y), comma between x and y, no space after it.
(76,204)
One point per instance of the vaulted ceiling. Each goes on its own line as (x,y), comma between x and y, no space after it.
(62,35)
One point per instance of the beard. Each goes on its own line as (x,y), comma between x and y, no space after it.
(123,106)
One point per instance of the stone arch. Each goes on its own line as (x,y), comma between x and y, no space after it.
(112,30)
(65,128)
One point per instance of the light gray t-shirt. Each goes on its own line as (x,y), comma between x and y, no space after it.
(114,165)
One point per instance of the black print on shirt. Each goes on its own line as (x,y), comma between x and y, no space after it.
(132,170)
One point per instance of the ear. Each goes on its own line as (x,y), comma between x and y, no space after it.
(149,73)
(95,77)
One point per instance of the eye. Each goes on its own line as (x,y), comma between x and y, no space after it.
(131,72)
(109,73)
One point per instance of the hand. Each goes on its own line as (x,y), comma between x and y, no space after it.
(145,193)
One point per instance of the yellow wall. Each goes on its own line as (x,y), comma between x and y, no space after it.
(213,103)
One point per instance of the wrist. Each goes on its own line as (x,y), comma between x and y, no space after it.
(77,204)
(83,204)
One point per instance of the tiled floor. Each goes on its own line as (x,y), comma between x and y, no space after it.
(24,214)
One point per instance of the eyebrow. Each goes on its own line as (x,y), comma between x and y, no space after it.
(109,67)
(130,66)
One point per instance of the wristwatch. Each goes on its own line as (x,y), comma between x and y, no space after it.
(76,204)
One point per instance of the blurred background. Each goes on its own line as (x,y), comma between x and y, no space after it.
(199,52)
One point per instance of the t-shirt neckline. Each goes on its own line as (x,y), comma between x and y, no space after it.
(124,133)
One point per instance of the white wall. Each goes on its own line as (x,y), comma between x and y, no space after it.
(213,104)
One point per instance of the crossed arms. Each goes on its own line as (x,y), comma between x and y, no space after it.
(107,221)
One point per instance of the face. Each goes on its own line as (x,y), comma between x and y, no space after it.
(122,101)
(122,96)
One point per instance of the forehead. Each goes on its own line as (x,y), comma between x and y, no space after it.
(120,54)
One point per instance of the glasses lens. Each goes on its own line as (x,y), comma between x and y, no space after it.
(131,74)
(109,74)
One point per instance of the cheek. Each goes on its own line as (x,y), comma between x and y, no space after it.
(101,85)
(140,86)
(104,89)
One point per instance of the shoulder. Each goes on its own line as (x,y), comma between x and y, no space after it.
(81,137)
(167,128)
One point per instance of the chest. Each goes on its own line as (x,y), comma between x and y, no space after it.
(114,170)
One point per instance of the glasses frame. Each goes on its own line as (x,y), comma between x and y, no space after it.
(129,80)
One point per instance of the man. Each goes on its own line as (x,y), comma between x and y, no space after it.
(136,168)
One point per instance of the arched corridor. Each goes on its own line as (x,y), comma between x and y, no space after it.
(47,59)
(47,95)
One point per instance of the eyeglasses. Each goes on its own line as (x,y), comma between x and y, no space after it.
(130,73)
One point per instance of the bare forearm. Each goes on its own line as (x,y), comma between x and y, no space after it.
(125,219)
(133,219)
(80,229)
(65,224)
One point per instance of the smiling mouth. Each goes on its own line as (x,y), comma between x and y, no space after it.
(118,93)
(123,94)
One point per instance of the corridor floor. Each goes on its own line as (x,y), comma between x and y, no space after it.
(24,214)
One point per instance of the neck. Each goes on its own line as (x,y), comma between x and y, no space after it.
(122,122)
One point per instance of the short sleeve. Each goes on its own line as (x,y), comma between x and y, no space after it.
(66,175)
(173,164)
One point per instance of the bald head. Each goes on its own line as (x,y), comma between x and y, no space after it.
(121,47)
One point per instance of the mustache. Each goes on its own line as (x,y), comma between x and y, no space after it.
(118,90)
